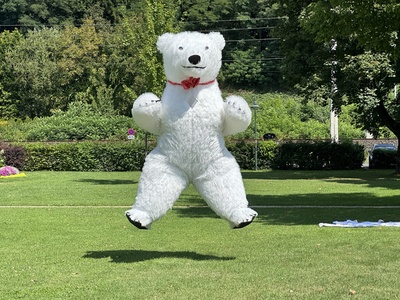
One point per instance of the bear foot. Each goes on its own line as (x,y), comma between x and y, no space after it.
(138,218)
(244,224)
(135,223)
(242,217)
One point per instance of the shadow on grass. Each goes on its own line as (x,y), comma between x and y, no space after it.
(320,174)
(106,181)
(303,215)
(131,256)
(325,199)
(314,216)
(195,212)
(387,183)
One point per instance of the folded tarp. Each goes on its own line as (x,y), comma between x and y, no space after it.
(355,223)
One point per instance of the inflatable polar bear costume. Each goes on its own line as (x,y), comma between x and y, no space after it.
(191,120)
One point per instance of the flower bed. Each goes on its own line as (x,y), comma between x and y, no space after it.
(8,171)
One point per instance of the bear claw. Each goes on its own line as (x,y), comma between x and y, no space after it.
(136,223)
(244,224)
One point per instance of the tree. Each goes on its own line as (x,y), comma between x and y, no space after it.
(83,62)
(158,17)
(368,57)
(30,14)
(373,25)
(31,74)
(102,64)
(250,58)
(301,55)
(134,66)
(8,40)
(27,15)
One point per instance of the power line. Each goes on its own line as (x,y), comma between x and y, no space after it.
(253,40)
(235,20)
(255,59)
(193,22)
(185,22)
(239,29)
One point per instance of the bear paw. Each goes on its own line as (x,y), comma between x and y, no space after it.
(238,106)
(242,217)
(237,115)
(244,224)
(145,100)
(138,218)
(146,112)
(147,104)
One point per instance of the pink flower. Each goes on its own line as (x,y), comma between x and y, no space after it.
(131,131)
(8,170)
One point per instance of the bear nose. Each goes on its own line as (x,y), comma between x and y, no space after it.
(194,59)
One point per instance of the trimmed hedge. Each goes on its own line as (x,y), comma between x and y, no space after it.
(84,156)
(79,123)
(318,156)
(129,156)
(383,159)
(244,152)
(121,156)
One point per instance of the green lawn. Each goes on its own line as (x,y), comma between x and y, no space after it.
(77,244)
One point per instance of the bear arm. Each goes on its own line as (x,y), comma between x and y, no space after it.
(146,112)
(237,115)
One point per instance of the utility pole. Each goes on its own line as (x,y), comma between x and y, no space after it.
(255,106)
(333,115)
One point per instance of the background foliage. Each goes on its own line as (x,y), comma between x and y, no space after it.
(54,53)
(79,122)
(88,59)
(84,156)
(318,156)
(129,156)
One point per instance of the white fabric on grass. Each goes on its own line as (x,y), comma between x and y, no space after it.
(356,224)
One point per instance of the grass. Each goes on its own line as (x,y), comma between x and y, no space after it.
(76,243)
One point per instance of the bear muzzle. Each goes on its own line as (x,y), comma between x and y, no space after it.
(194,60)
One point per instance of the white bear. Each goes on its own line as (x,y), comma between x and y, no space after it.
(191,120)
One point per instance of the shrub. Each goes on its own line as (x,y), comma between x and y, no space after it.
(13,155)
(121,156)
(345,156)
(80,122)
(85,156)
(2,159)
(383,159)
(129,156)
(244,152)
(318,156)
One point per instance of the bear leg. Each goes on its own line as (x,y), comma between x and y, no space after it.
(222,188)
(160,185)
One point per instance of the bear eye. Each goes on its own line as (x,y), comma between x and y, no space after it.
(180,48)
(207,48)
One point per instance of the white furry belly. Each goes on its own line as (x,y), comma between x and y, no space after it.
(192,140)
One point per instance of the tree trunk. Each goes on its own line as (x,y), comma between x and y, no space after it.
(398,157)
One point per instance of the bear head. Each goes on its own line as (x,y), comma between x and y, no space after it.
(191,54)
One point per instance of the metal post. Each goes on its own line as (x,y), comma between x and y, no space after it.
(333,115)
(145,145)
(255,107)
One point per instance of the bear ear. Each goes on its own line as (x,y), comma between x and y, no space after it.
(163,41)
(218,39)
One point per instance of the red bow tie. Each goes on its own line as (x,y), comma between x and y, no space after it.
(191,82)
